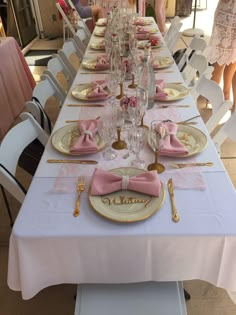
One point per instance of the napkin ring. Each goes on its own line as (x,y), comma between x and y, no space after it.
(125,181)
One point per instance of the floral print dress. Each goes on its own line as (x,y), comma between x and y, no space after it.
(223,38)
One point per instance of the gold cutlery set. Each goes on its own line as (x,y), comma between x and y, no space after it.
(175,216)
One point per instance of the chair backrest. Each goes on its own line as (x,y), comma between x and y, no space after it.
(81,22)
(172,35)
(68,51)
(197,44)
(197,63)
(79,41)
(56,69)
(208,74)
(214,94)
(41,93)
(228,130)
(66,21)
(14,142)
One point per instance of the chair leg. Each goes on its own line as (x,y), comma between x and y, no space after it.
(187,295)
(7,206)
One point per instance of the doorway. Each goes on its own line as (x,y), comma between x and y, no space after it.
(21,21)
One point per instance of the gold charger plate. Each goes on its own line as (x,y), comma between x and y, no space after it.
(81,92)
(132,212)
(161,62)
(63,138)
(100,32)
(89,64)
(194,140)
(175,92)
(143,43)
(98,45)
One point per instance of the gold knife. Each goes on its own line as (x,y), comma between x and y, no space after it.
(175,216)
(85,105)
(182,165)
(172,106)
(73,161)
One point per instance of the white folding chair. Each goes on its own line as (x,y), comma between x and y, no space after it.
(214,94)
(207,74)
(172,35)
(13,144)
(228,130)
(68,51)
(41,94)
(197,44)
(198,64)
(82,22)
(56,68)
(67,26)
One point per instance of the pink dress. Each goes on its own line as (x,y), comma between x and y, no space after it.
(223,38)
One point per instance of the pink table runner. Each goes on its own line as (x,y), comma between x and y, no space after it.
(16,83)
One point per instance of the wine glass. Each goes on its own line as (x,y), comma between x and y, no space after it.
(107,131)
(137,137)
(120,120)
(121,75)
(142,102)
(156,141)
(112,83)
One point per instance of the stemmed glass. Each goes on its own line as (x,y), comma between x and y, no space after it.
(137,137)
(156,141)
(136,113)
(112,83)
(121,75)
(107,131)
(120,120)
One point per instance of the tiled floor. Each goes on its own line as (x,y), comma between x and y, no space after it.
(205,298)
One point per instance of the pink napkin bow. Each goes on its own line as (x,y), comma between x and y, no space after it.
(104,182)
(103,62)
(171,146)
(86,142)
(98,90)
(159,92)
(141,30)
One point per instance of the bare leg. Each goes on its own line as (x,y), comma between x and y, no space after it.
(160,15)
(97,12)
(229,73)
(217,72)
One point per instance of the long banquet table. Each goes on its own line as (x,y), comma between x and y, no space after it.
(49,246)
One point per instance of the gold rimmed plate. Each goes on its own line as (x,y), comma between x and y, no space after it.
(91,65)
(81,92)
(142,44)
(174,92)
(144,207)
(64,138)
(143,22)
(193,139)
(98,45)
(161,62)
(100,32)
(101,22)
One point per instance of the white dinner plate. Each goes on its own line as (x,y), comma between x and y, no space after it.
(142,44)
(100,32)
(98,45)
(81,92)
(174,92)
(162,62)
(101,22)
(64,138)
(130,212)
(194,140)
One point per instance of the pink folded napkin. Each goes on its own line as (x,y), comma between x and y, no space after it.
(86,142)
(141,30)
(140,22)
(103,62)
(104,182)
(142,36)
(171,146)
(98,90)
(159,92)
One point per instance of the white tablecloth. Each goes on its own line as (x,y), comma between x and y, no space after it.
(49,246)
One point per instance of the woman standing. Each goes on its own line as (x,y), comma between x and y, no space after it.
(223,46)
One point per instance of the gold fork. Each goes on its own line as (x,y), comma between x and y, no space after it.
(80,188)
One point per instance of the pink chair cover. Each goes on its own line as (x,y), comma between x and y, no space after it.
(16,83)
(104,182)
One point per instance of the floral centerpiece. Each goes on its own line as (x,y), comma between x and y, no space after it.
(127,101)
